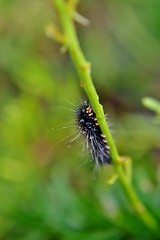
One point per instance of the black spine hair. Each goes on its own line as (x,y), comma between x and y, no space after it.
(95,140)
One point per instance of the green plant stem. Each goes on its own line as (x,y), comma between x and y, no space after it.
(84,71)
(128,168)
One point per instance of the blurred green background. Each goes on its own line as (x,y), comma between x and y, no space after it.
(47,190)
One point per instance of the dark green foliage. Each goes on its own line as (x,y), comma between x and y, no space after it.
(49,191)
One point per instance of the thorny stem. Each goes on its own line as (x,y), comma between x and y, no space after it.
(84,71)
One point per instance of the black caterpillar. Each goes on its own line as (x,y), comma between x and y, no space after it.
(95,140)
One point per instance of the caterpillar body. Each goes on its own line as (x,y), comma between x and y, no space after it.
(95,140)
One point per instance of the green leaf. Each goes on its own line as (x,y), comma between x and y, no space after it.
(151,104)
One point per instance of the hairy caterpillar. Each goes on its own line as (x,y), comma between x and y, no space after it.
(95,140)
